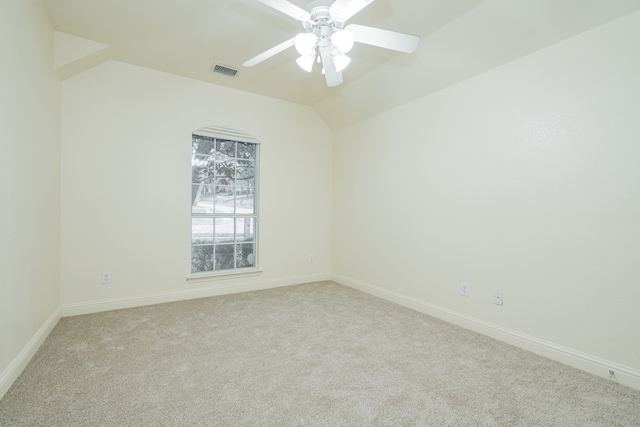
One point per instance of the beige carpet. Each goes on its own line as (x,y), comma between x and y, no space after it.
(319,354)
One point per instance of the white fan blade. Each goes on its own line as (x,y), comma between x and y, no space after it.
(269,53)
(333,77)
(384,38)
(342,10)
(289,8)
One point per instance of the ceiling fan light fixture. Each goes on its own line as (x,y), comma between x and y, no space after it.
(305,43)
(306,62)
(343,40)
(341,61)
(326,38)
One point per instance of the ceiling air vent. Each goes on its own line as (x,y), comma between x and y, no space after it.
(224,70)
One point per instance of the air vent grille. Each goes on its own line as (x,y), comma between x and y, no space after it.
(225,70)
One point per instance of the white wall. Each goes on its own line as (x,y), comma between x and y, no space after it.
(126,153)
(29,184)
(525,179)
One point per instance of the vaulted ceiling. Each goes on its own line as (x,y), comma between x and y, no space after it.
(460,39)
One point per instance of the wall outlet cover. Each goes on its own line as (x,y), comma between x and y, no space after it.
(497,298)
(464,289)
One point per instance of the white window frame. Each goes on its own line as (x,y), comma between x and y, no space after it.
(228,134)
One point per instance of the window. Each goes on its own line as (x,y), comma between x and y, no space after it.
(223,201)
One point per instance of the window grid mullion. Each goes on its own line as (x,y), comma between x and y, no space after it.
(228,181)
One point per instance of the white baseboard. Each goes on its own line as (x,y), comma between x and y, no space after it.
(13,371)
(585,362)
(88,307)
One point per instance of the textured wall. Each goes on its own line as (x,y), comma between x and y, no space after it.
(524,180)
(126,173)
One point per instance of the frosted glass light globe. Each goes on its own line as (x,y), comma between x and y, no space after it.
(343,40)
(306,62)
(341,61)
(305,42)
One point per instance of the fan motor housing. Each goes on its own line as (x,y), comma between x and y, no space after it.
(321,22)
(320,13)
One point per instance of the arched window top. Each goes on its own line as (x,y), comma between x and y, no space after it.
(227,132)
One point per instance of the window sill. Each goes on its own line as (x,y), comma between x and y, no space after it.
(207,277)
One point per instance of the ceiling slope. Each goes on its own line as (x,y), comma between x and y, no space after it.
(460,39)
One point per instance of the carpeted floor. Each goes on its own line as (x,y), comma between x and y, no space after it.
(319,354)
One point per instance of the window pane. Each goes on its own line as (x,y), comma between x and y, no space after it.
(245,255)
(201,258)
(224,200)
(246,173)
(201,145)
(245,229)
(201,230)
(225,171)
(201,199)
(202,169)
(245,201)
(224,257)
(224,230)
(246,151)
(226,147)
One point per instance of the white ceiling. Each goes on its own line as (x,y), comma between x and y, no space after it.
(460,39)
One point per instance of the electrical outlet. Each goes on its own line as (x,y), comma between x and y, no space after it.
(497,298)
(464,289)
(310,259)
(106,277)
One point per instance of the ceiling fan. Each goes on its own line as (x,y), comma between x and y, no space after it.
(327,39)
